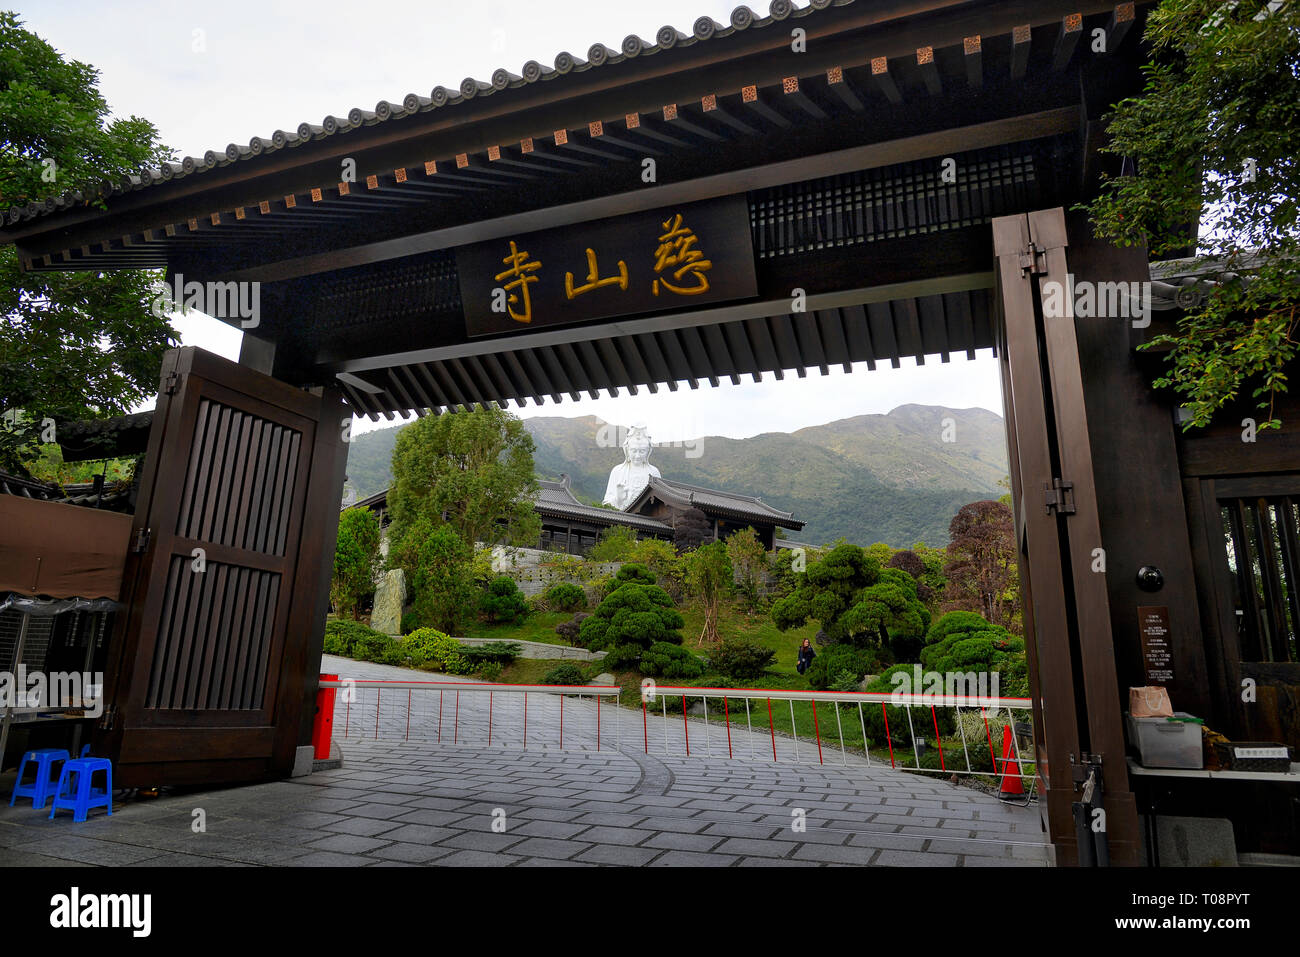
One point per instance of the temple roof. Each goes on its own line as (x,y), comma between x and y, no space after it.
(557,499)
(713,501)
(259,149)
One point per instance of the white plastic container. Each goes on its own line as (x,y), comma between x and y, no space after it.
(1162,743)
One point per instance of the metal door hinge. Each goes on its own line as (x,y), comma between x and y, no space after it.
(141,543)
(1059,496)
(172,383)
(1032,261)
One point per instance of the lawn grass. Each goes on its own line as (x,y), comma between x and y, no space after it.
(538,626)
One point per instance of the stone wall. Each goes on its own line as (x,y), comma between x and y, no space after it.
(536,570)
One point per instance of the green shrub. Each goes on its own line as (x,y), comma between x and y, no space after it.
(565,596)
(615,544)
(498,652)
(428,646)
(962,641)
(741,660)
(489,671)
(392,654)
(846,680)
(410,622)
(622,657)
(503,601)
(832,661)
(635,613)
(374,647)
(565,674)
(341,636)
(666,660)
(638,574)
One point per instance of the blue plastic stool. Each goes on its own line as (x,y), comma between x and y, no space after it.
(45,785)
(75,792)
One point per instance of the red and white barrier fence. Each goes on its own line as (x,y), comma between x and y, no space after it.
(512,715)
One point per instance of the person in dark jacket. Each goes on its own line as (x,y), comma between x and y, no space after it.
(806,655)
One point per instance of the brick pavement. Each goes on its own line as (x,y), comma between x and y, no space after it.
(415,802)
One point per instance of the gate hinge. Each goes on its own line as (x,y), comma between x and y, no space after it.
(108,719)
(1032,261)
(141,543)
(172,383)
(1059,496)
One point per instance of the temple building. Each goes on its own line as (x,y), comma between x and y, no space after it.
(571,526)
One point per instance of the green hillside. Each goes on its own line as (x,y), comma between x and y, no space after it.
(871,478)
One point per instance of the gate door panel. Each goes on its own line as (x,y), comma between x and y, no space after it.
(198,689)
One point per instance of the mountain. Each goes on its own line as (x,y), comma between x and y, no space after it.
(871,478)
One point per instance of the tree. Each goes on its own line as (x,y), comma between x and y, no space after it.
(503,601)
(636,613)
(905,559)
(748,558)
(857,603)
(356,560)
(709,580)
(690,529)
(80,344)
(981,569)
(662,561)
(614,544)
(472,469)
(439,566)
(1214,137)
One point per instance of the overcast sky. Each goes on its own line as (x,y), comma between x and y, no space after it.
(208,74)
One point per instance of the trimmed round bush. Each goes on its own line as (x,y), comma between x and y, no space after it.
(565,674)
(429,646)
(566,596)
(666,660)
(633,614)
(503,601)
(741,660)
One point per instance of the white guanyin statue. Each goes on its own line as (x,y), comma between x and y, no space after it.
(627,480)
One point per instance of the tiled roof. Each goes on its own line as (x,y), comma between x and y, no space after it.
(105,438)
(115,497)
(502,80)
(718,501)
(556,498)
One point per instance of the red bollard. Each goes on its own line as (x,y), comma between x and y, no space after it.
(322,729)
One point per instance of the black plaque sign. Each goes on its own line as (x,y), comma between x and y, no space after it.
(1157,655)
(645,262)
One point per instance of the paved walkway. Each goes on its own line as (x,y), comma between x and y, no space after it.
(402,802)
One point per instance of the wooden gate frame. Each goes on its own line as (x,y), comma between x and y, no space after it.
(304,595)
(1069,642)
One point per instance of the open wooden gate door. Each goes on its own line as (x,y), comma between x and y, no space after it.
(212,671)
(1068,637)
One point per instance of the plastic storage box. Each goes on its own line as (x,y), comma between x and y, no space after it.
(1161,743)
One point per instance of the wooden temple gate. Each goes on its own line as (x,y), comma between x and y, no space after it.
(896,188)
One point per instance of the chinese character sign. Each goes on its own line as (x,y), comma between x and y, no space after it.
(645,262)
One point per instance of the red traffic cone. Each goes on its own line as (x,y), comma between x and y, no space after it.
(1011,784)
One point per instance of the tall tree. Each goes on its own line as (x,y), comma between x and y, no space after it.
(1214,138)
(72,345)
(440,567)
(709,580)
(981,569)
(748,559)
(356,559)
(472,469)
